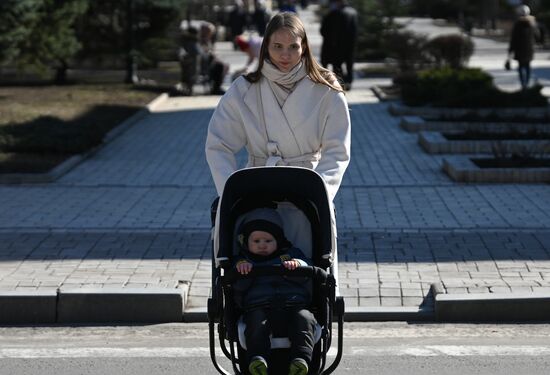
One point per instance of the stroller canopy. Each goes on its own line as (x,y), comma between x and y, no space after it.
(251,187)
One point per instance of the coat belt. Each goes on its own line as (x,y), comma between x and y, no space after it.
(278,160)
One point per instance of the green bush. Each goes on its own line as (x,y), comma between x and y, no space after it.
(452,50)
(155,50)
(443,85)
(407,48)
(459,88)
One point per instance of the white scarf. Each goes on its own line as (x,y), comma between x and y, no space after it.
(283,83)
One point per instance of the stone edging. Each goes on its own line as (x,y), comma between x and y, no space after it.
(414,124)
(64,167)
(462,169)
(436,143)
(398,109)
(382,95)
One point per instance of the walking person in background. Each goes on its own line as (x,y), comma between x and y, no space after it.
(339,32)
(237,21)
(522,43)
(190,55)
(211,66)
(287,6)
(260,16)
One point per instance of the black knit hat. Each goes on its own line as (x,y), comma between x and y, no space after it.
(266,220)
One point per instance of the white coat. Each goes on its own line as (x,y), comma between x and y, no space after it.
(311,130)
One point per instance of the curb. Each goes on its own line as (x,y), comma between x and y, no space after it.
(492,307)
(73,161)
(28,308)
(461,168)
(382,95)
(120,306)
(101,305)
(138,306)
(399,109)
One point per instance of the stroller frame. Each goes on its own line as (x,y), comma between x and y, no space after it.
(263,184)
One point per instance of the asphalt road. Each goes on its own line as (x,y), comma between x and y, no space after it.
(370,348)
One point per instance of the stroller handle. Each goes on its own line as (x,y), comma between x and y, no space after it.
(318,274)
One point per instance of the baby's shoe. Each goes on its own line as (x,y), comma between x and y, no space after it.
(298,366)
(258,366)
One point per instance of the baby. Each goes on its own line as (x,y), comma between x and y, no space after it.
(273,303)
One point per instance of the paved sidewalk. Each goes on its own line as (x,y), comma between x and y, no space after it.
(136,216)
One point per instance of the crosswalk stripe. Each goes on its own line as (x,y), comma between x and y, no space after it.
(95,352)
(452,350)
(364,351)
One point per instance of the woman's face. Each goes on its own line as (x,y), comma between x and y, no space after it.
(285,49)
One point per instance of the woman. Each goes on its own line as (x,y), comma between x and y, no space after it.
(290,111)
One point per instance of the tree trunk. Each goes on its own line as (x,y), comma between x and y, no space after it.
(61,73)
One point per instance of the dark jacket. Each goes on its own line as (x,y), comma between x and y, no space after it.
(522,39)
(261,291)
(339,31)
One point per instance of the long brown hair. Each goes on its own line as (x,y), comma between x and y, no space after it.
(294,25)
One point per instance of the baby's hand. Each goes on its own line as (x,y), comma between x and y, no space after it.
(291,264)
(244,267)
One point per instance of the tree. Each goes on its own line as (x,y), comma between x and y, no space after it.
(376,19)
(17,19)
(39,35)
(53,41)
(112,35)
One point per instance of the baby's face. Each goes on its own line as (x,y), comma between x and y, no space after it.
(261,243)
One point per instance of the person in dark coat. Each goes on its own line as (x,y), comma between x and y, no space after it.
(190,54)
(211,66)
(522,43)
(339,32)
(237,21)
(260,16)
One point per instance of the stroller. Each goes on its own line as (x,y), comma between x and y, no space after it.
(298,194)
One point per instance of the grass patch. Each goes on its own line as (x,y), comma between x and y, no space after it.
(40,126)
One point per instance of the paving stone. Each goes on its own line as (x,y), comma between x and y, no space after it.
(368,302)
